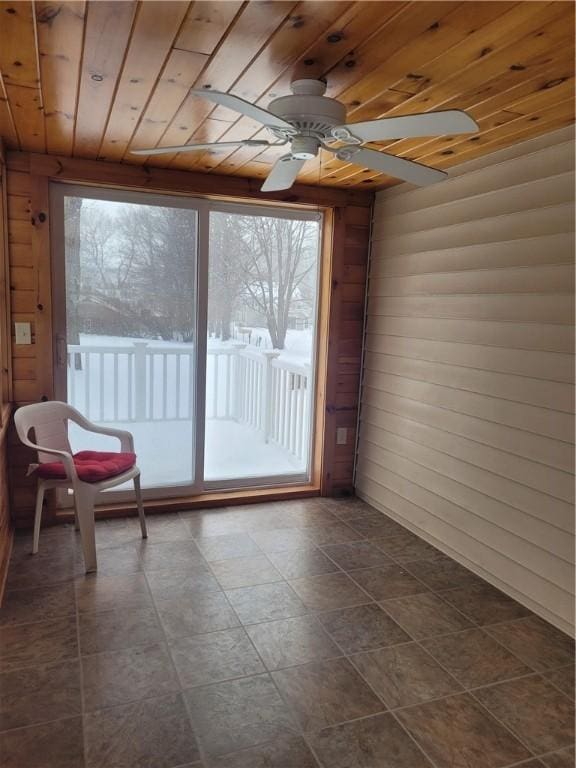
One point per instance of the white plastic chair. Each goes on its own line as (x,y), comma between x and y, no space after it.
(50,423)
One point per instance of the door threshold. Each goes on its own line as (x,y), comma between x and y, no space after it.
(208,500)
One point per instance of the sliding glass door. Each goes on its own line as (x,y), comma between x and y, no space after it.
(191,325)
(127,324)
(263,278)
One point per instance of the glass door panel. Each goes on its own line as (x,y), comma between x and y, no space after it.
(262,308)
(131,316)
(191,324)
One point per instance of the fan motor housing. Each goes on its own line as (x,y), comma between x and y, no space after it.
(311,113)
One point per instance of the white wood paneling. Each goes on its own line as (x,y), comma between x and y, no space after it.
(537,364)
(557,278)
(548,509)
(547,191)
(539,392)
(518,415)
(539,251)
(467,432)
(551,482)
(532,222)
(537,163)
(525,336)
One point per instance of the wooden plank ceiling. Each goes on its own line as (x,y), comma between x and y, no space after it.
(96,79)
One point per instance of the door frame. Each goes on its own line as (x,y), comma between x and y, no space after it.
(203,207)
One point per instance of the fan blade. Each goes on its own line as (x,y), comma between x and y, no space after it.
(445,123)
(194,147)
(244,107)
(283,174)
(407,170)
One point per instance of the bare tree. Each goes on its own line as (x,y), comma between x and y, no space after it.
(226,278)
(139,264)
(98,253)
(280,255)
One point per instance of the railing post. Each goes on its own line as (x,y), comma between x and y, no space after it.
(306,407)
(140,380)
(238,384)
(269,356)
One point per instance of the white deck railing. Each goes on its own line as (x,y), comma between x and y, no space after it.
(141,383)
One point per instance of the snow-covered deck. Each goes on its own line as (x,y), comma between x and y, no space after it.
(257,407)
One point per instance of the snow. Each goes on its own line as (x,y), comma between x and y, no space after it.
(165,451)
(297,348)
(165,448)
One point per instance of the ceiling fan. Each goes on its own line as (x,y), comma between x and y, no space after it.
(310,121)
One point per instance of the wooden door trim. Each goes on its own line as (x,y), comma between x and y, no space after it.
(232,188)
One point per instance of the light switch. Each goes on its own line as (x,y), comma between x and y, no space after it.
(341,436)
(23,333)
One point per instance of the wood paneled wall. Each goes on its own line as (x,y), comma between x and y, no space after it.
(6,527)
(29,227)
(351,238)
(467,404)
(5,380)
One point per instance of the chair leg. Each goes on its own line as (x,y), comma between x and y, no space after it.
(140,505)
(84,500)
(38,517)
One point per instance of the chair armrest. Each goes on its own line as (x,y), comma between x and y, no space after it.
(64,456)
(126,439)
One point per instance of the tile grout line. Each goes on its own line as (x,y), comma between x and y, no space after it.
(287,704)
(462,692)
(558,669)
(464,689)
(268,672)
(470,691)
(540,757)
(43,722)
(475,624)
(81,674)
(394,710)
(317,613)
(261,553)
(372,601)
(386,707)
(428,589)
(507,727)
(180,692)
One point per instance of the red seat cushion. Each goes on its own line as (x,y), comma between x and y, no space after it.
(91,466)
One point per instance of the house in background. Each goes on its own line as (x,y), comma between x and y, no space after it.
(341,332)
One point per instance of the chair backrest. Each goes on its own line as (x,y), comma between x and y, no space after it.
(49,421)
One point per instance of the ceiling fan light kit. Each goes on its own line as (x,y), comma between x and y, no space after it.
(310,121)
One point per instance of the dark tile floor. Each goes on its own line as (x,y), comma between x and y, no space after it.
(301,634)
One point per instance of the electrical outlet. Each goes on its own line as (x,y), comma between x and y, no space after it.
(341,436)
(22,333)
